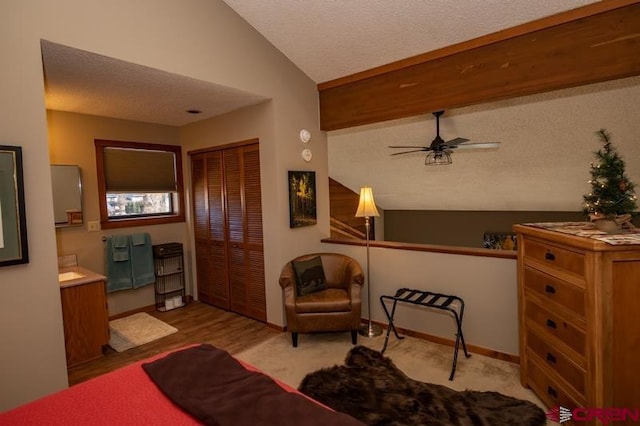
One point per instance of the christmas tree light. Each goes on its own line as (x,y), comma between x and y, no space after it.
(611,190)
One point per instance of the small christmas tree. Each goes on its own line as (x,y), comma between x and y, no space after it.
(611,191)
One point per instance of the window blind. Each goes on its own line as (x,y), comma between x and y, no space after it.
(139,170)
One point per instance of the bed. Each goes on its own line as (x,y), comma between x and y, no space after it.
(132,396)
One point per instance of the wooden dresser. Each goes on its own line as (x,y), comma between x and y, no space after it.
(579,313)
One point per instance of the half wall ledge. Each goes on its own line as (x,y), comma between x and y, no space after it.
(467,251)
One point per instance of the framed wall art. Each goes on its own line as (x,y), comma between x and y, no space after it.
(302,199)
(13,223)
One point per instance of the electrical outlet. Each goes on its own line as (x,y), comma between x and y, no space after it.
(93,226)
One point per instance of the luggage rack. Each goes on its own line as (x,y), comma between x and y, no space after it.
(428,300)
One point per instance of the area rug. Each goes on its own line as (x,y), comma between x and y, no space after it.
(136,330)
(372,389)
(417,358)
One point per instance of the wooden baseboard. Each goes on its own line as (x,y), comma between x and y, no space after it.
(149,308)
(491,353)
(276,327)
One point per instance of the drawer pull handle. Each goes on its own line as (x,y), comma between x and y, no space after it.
(551,391)
(550,289)
(550,256)
(551,323)
(551,358)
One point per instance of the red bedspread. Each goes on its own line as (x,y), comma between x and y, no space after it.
(123,397)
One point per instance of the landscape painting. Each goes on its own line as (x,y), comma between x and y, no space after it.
(302,199)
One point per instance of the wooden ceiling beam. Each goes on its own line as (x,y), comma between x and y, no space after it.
(594,43)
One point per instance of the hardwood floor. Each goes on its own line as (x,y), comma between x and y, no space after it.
(196,323)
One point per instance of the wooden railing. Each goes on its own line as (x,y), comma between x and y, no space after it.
(340,229)
(343,203)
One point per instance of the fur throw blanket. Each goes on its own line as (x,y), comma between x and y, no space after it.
(372,389)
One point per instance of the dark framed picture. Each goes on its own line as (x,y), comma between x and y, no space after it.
(302,199)
(13,223)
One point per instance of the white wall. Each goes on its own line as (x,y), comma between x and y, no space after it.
(71,139)
(202,39)
(487,285)
(542,164)
(280,242)
(205,40)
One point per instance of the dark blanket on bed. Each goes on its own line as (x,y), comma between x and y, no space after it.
(215,388)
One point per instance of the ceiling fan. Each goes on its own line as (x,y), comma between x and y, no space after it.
(439,152)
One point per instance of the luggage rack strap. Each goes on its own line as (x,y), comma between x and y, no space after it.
(427,299)
(417,297)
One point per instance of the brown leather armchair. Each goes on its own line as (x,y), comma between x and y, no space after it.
(336,308)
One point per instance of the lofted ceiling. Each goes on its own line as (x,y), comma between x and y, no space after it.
(326,39)
(329,39)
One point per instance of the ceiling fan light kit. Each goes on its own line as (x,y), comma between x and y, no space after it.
(439,158)
(439,152)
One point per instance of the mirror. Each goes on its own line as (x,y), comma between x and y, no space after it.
(66,184)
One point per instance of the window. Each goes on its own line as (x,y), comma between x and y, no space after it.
(138,204)
(139,183)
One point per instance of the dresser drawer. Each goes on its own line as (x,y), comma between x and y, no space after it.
(554,325)
(557,257)
(556,361)
(548,389)
(550,288)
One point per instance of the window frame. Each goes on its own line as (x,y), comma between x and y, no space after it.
(178,197)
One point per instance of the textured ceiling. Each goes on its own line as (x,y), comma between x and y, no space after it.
(324,38)
(546,144)
(546,140)
(88,83)
(328,39)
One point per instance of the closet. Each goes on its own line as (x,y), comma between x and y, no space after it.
(227,209)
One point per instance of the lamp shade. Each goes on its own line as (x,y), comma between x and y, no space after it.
(366,206)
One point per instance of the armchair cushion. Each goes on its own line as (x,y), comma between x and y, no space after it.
(329,300)
(309,276)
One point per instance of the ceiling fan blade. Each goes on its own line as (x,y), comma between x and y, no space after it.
(414,150)
(406,146)
(478,145)
(454,142)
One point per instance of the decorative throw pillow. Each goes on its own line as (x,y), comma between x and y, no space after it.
(309,276)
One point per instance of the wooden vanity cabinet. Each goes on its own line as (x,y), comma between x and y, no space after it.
(86,321)
(578,311)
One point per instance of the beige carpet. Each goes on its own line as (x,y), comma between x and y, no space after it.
(419,359)
(136,330)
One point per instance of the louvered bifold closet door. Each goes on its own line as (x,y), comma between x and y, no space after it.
(254,251)
(244,225)
(235,226)
(201,226)
(228,229)
(218,268)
